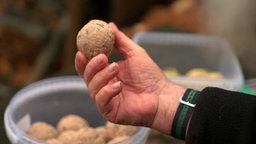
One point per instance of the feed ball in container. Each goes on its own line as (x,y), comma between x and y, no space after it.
(119,139)
(102,131)
(67,137)
(42,131)
(203,73)
(94,38)
(71,122)
(53,141)
(88,135)
(115,130)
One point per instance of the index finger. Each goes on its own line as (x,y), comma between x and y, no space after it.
(80,63)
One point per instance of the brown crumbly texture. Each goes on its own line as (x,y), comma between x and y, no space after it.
(102,131)
(119,139)
(88,136)
(67,137)
(73,129)
(95,37)
(116,130)
(42,131)
(203,73)
(53,141)
(99,140)
(71,122)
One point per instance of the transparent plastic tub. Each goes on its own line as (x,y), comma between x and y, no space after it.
(250,86)
(50,99)
(187,51)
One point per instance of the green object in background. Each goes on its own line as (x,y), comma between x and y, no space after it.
(246,89)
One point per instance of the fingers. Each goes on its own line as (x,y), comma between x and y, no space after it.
(106,98)
(102,78)
(80,63)
(97,73)
(124,45)
(96,64)
(89,69)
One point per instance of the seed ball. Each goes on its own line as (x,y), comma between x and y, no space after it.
(215,75)
(53,141)
(102,131)
(197,72)
(42,131)
(88,136)
(94,38)
(71,122)
(115,130)
(67,137)
(119,139)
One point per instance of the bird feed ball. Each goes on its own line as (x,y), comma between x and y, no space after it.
(42,131)
(94,38)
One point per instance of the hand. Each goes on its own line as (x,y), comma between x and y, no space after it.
(132,91)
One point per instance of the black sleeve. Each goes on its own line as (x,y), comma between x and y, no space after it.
(223,117)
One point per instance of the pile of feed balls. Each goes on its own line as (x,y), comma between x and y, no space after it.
(73,129)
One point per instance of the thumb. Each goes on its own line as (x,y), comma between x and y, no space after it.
(123,44)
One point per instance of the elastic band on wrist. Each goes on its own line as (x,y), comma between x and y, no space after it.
(183,114)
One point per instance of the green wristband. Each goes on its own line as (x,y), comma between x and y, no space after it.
(183,114)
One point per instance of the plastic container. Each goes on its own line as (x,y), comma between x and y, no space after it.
(249,87)
(187,51)
(50,99)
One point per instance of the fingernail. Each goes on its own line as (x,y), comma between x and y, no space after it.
(116,85)
(112,67)
(99,60)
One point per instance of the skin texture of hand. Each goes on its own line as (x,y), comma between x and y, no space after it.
(133,91)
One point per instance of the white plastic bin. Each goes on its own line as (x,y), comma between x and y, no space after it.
(49,100)
(188,51)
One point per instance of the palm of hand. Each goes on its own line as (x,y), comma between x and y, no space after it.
(138,98)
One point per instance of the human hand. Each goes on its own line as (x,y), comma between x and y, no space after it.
(132,91)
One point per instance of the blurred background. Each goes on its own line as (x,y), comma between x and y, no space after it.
(38,37)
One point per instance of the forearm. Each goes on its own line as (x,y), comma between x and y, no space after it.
(222,116)
(219,115)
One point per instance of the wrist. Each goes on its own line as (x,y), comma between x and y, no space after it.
(167,106)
